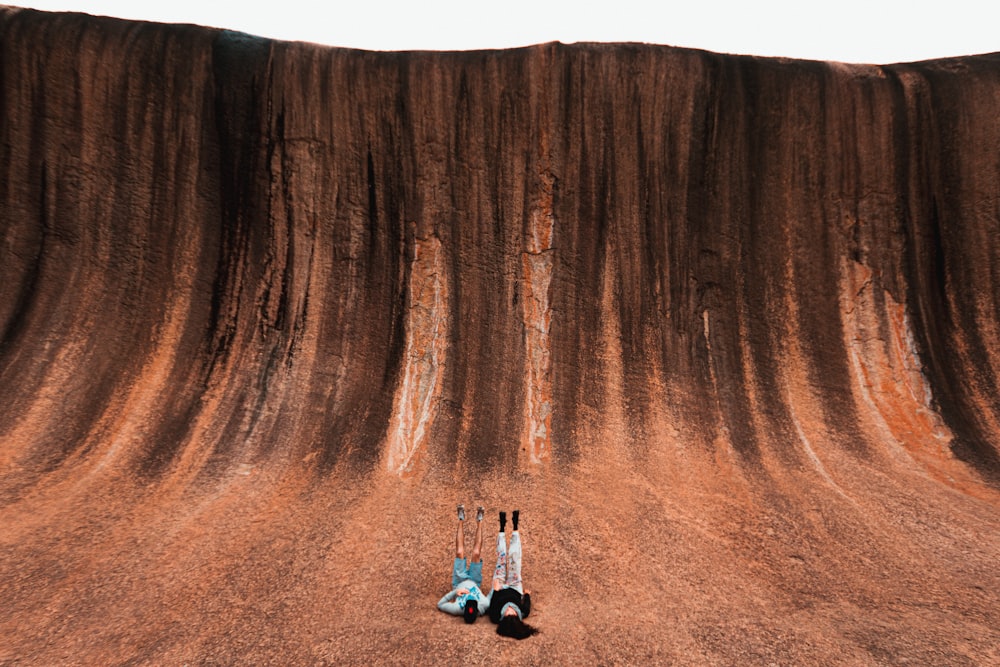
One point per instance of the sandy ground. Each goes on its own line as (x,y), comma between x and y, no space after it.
(622,571)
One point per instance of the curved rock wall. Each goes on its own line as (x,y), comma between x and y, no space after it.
(222,254)
(283,249)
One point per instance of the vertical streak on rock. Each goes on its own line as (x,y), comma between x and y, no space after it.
(130,415)
(723,437)
(426,344)
(888,376)
(814,459)
(537,312)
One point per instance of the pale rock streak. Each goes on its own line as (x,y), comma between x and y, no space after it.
(887,373)
(537,262)
(423,359)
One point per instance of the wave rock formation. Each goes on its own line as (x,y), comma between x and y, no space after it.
(725,329)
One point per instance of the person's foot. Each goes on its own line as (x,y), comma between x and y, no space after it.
(479,513)
(514,518)
(503,521)
(461,512)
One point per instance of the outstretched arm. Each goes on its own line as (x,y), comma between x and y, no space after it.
(448,605)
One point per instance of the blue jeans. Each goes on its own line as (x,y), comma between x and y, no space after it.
(462,571)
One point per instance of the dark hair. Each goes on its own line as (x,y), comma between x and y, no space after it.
(471,611)
(512,626)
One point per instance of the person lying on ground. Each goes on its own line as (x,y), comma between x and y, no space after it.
(466,598)
(510,603)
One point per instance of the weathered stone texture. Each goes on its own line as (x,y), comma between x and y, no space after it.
(731,320)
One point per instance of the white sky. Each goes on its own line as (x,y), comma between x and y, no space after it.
(872,31)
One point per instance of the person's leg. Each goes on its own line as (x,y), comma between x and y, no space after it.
(460,535)
(477,544)
(474,568)
(459,567)
(514,562)
(500,573)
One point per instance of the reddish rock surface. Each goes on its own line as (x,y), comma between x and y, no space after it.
(724,328)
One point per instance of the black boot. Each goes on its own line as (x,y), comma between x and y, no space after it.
(514,518)
(503,521)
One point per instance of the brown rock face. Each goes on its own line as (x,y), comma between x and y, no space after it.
(725,329)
